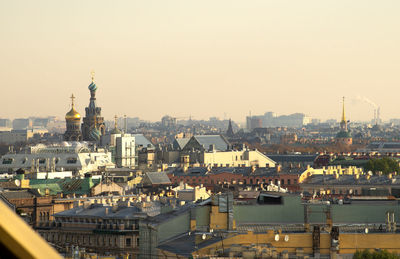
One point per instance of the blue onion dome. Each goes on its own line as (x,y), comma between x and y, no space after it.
(94,134)
(92,86)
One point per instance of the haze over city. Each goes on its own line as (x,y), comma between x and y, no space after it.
(205,58)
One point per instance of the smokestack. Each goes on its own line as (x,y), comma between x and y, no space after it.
(378,111)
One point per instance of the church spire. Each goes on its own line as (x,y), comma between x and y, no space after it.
(230,132)
(343,113)
(115,122)
(343,123)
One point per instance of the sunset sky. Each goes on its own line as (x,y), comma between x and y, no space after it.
(201,58)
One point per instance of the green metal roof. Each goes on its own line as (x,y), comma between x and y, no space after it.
(65,186)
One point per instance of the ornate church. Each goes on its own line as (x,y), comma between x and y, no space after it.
(93,124)
(73,120)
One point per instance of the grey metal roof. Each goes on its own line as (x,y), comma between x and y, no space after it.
(186,244)
(292,158)
(158,178)
(217,140)
(351,180)
(179,143)
(201,171)
(141,140)
(18,194)
(99,210)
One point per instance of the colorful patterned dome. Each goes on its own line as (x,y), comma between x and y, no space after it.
(92,86)
(94,134)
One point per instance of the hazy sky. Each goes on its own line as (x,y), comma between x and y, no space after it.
(200,58)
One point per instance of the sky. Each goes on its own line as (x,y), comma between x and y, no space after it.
(223,58)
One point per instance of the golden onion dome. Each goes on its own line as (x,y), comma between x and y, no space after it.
(72,114)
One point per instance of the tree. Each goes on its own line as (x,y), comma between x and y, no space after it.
(385,165)
(381,254)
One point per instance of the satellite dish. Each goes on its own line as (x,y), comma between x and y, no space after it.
(276,237)
(366,230)
(17,182)
(286,238)
(203,236)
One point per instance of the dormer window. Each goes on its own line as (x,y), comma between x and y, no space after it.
(71,160)
(7,161)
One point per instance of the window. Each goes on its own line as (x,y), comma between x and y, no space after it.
(283,182)
(71,160)
(288,181)
(42,161)
(128,242)
(7,161)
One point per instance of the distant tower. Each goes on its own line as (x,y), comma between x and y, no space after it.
(344,136)
(230,132)
(116,130)
(73,121)
(93,124)
(343,122)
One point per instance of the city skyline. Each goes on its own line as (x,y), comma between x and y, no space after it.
(220,59)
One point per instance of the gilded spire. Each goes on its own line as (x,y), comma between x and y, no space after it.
(343,113)
(343,123)
(92,75)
